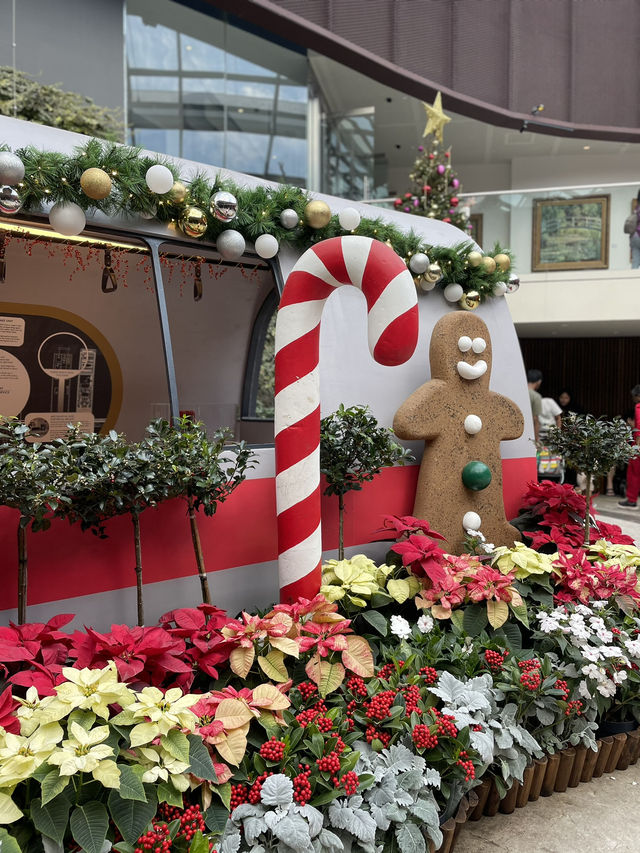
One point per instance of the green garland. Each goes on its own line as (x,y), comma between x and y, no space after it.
(51,177)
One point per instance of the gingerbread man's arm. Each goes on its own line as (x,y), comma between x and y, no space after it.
(421,414)
(508,421)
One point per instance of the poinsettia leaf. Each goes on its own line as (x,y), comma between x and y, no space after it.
(328,676)
(377,621)
(358,656)
(52,785)
(216,817)
(8,843)
(497,613)
(176,744)
(51,820)
(200,763)
(132,816)
(241,660)
(273,666)
(233,747)
(131,787)
(89,826)
(233,713)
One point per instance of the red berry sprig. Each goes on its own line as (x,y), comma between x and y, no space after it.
(307,689)
(239,795)
(422,737)
(273,750)
(411,695)
(379,706)
(575,707)
(156,840)
(430,675)
(562,685)
(495,660)
(329,763)
(530,679)
(357,686)
(302,786)
(349,782)
(372,733)
(528,665)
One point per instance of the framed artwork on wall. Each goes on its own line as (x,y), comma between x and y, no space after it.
(570,234)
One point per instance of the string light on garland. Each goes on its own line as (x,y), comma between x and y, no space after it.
(11,169)
(159,179)
(95,183)
(10,201)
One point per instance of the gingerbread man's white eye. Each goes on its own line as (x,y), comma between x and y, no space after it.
(465,343)
(478,345)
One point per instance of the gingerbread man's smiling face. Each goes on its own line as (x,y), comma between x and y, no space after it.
(460,350)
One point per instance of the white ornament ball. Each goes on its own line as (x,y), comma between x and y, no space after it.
(289,218)
(472,424)
(267,246)
(471,521)
(427,285)
(231,245)
(67,219)
(11,169)
(349,218)
(499,288)
(419,263)
(453,292)
(159,179)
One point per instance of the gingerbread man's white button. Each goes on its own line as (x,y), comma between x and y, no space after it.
(478,345)
(465,343)
(471,521)
(472,424)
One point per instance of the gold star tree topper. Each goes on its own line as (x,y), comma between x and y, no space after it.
(436,119)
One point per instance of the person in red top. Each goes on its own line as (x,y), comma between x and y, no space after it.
(633,468)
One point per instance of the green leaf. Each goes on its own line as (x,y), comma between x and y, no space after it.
(51,820)
(200,763)
(167,793)
(177,745)
(224,792)
(325,797)
(8,843)
(131,787)
(520,612)
(52,785)
(457,618)
(216,817)
(377,621)
(475,619)
(199,844)
(132,816)
(513,636)
(89,826)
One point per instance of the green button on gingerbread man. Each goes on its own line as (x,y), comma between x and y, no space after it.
(462,423)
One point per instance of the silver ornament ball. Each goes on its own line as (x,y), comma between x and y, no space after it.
(419,263)
(10,201)
(11,168)
(231,245)
(514,284)
(224,206)
(289,218)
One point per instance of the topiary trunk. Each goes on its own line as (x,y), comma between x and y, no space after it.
(197,549)
(135,518)
(23,523)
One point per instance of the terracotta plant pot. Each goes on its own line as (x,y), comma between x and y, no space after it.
(590,763)
(603,756)
(493,801)
(524,787)
(482,792)
(578,765)
(549,781)
(508,802)
(539,771)
(634,738)
(616,751)
(567,757)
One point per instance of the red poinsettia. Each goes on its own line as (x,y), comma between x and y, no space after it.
(547,495)
(8,721)
(406,525)
(43,678)
(583,581)
(421,556)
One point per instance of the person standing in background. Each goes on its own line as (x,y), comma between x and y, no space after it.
(634,237)
(534,381)
(550,415)
(633,468)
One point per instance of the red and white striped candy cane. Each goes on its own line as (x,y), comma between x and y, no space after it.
(393,334)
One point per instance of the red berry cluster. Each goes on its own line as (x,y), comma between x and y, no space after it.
(467,765)
(411,695)
(562,685)
(238,796)
(379,706)
(167,813)
(324,724)
(386,671)
(446,724)
(309,716)
(191,822)
(430,675)
(357,686)
(307,689)
(273,750)
(256,789)
(301,785)
(495,660)
(575,706)
(340,746)
(156,840)
(372,733)
(351,707)
(616,631)
(530,679)
(476,728)
(422,737)
(329,763)
(528,665)
(349,782)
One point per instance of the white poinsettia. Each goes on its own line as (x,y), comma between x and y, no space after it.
(93,690)
(161,712)
(21,756)
(84,752)
(158,765)
(35,711)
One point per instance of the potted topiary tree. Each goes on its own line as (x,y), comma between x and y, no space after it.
(353,449)
(202,471)
(593,446)
(32,476)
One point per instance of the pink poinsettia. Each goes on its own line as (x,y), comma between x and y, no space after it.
(325,638)
(447,593)
(489,584)
(580,580)
(420,556)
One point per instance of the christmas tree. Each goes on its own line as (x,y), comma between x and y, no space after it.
(435,184)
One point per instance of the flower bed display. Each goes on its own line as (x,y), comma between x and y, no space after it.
(402,700)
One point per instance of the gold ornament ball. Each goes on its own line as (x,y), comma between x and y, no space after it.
(488,264)
(193,222)
(317,214)
(503,262)
(470,300)
(433,273)
(178,192)
(95,183)
(474,259)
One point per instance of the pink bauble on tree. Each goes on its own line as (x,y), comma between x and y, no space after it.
(440,169)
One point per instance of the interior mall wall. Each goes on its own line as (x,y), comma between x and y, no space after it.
(75,44)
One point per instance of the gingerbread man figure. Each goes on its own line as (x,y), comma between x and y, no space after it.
(463,423)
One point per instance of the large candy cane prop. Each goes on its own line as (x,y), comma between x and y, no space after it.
(393,334)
